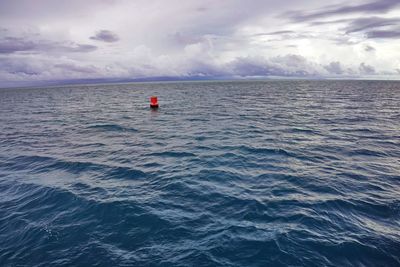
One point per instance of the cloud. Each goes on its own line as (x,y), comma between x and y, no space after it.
(327,22)
(35,68)
(372,27)
(76,68)
(286,66)
(19,67)
(253,67)
(363,24)
(105,36)
(369,48)
(9,45)
(66,40)
(187,39)
(334,68)
(73,47)
(276,33)
(383,34)
(374,7)
(49,9)
(366,69)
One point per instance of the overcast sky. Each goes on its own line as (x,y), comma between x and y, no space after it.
(50,40)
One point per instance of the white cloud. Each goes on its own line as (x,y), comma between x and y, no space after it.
(130,39)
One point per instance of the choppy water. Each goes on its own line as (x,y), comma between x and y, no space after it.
(299,173)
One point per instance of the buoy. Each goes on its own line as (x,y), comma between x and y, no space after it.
(153,102)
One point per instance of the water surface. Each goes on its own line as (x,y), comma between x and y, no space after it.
(276,173)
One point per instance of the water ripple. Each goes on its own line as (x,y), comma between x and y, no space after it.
(277,173)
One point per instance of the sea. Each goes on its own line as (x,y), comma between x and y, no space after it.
(223,173)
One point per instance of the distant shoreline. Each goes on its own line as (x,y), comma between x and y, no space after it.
(93,82)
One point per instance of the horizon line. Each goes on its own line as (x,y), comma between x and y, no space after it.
(170,79)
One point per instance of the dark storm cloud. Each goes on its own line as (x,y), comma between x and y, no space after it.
(10,45)
(105,36)
(374,7)
(383,34)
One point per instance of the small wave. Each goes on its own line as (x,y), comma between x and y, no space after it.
(259,150)
(46,164)
(237,174)
(367,152)
(173,154)
(125,173)
(303,131)
(111,128)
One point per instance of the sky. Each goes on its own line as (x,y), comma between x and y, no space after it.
(61,41)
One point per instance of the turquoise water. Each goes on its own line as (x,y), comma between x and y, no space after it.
(276,173)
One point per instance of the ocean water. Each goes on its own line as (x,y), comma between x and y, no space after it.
(275,173)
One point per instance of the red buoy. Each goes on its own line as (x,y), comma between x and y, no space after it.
(153,102)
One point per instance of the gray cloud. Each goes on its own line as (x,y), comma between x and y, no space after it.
(105,36)
(337,21)
(18,67)
(275,33)
(383,34)
(44,9)
(345,40)
(334,68)
(74,48)
(207,39)
(366,69)
(373,27)
(289,35)
(374,7)
(205,69)
(185,39)
(253,67)
(21,68)
(76,68)
(287,66)
(369,48)
(9,45)
(363,24)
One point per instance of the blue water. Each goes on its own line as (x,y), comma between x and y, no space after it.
(276,173)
